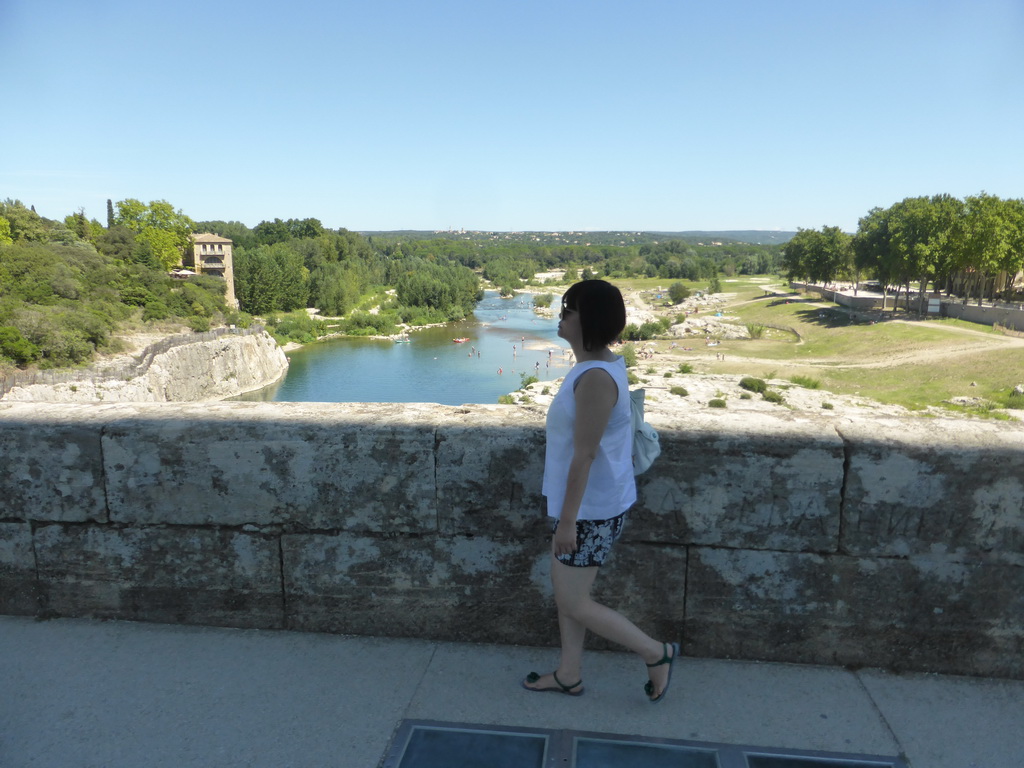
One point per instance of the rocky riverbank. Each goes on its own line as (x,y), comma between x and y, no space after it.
(213,369)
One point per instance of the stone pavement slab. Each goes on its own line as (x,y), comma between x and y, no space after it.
(78,694)
(959,722)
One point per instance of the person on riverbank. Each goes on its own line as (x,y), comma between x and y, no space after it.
(589,486)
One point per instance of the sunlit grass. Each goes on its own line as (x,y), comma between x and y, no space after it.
(897,363)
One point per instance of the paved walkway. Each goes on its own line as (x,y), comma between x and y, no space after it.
(77,694)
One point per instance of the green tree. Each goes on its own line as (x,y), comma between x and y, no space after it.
(257,280)
(836,257)
(5,232)
(920,228)
(678,292)
(872,243)
(271,232)
(820,257)
(982,240)
(158,225)
(25,223)
(1013,262)
(293,288)
(798,254)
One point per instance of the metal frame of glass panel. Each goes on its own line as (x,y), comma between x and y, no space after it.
(434,744)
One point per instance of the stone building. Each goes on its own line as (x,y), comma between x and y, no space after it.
(211,255)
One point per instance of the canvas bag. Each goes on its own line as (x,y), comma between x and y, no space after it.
(646,447)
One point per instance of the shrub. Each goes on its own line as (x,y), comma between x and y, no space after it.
(755,330)
(827,406)
(681,391)
(716,403)
(643,332)
(773,397)
(296,326)
(366,324)
(629,355)
(667,374)
(685,368)
(753,385)
(198,324)
(650,330)
(135,296)
(543,300)
(17,347)
(238,319)
(156,310)
(526,380)
(677,292)
(746,396)
(806,382)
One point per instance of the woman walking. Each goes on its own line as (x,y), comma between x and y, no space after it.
(589,485)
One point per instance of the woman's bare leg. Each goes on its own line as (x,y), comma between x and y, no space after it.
(577,613)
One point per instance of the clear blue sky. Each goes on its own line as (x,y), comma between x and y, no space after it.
(527,115)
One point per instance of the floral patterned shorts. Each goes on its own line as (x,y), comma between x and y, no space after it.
(594,539)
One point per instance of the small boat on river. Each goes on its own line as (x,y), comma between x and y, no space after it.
(462,340)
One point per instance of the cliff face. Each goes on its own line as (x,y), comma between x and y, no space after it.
(205,370)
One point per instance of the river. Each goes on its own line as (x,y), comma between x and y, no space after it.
(506,340)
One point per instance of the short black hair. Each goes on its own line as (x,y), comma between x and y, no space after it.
(602,311)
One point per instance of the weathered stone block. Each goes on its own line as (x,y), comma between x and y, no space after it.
(462,588)
(758,482)
(173,575)
(926,613)
(18,587)
(647,584)
(308,466)
(489,474)
(457,589)
(52,465)
(937,487)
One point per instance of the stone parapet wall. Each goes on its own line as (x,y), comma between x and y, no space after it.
(874,541)
(1006,315)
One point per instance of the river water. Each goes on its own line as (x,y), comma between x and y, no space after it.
(430,368)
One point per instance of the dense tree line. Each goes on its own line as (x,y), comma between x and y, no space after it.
(509,264)
(281,266)
(972,247)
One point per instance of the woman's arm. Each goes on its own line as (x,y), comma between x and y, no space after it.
(596,394)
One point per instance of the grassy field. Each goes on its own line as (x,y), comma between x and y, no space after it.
(900,360)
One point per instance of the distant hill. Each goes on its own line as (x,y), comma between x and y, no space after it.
(755,236)
(612,237)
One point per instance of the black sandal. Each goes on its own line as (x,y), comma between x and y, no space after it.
(665,659)
(533,677)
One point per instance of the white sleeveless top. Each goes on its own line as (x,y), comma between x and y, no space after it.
(611,487)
